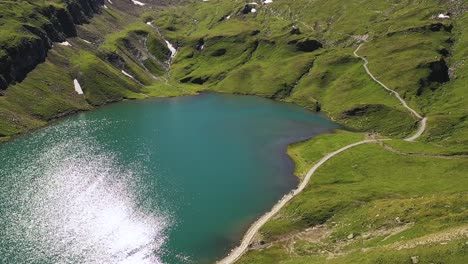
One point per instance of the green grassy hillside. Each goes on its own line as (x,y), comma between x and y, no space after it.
(372,204)
(263,53)
(109,42)
(368,205)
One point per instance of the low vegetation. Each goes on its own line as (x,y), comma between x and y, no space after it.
(398,202)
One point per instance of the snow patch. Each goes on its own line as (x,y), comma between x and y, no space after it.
(443,16)
(77,85)
(268,1)
(84,40)
(110,1)
(127,74)
(148,23)
(65,43)
(253,10)
(135,2)
(105,7)
(228,17)
(171,48)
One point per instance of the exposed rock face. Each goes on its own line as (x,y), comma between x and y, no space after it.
(115,60)
(439,74)
(361,110)
(247,9)
(200,44)
(83,10)
(23,57)
(434,27)
(307,45)
(219,52)
(194,80)
(295,31)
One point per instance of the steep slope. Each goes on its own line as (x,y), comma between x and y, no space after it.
(301,52)
(29,30)
(393,202)
(45,46)
(370,204)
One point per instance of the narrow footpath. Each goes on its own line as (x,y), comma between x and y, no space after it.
(249,235)
(237,252)
(422,120)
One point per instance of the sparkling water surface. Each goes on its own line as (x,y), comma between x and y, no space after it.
(154,181)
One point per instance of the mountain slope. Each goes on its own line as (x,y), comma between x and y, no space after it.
(370,204)
(392,202)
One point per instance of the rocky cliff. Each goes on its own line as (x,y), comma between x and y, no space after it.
(47,23)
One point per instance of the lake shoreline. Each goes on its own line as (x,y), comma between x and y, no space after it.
(274,151)
(72,113)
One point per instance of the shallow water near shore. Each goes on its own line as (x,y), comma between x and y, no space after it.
(174,180)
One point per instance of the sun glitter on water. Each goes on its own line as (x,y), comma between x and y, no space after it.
(74,203)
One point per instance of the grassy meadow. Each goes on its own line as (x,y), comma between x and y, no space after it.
(366,205)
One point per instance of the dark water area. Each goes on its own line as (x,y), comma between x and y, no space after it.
(173,180)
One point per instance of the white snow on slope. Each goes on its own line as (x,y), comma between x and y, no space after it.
(77,85)
(135,2)
(65,43)
(127,74)
(171,48)
(443,16)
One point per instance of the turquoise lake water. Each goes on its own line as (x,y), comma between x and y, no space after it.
(152,181)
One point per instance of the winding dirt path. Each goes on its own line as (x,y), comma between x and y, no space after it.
(422,120)
(424,155)
(237,252)
(249,235)
(422,127)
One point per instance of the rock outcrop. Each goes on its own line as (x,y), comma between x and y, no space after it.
(19,58)
(307,45)
(439,74)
